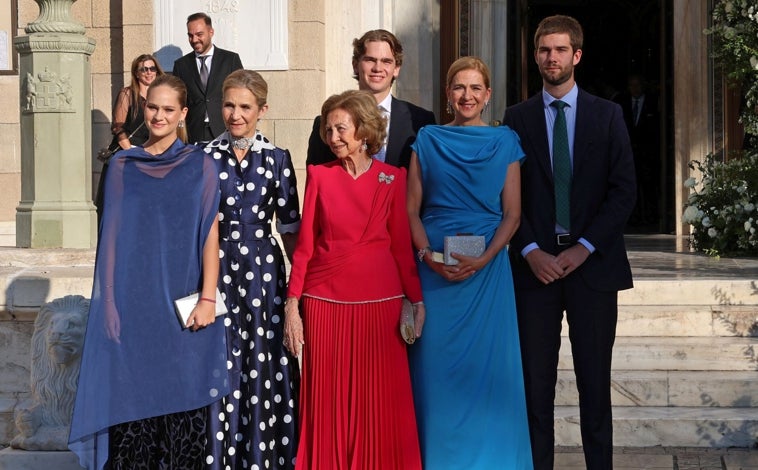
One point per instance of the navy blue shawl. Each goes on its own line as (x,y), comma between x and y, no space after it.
(158,210)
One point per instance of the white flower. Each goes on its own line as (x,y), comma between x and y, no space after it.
(706,221)
(712,232)
(690,182)
(754,62)
(749,207)
(747,226)
(690,215)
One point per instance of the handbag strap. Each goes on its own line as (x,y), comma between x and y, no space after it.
(135,131)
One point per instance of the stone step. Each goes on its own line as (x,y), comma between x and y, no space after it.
(692,291)
(734,389)
(685,320)
(667,426)
(677,353)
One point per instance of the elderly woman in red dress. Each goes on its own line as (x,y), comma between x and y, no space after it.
(351,268)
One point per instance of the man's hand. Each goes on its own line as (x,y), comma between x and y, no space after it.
(544,266)
(572,258)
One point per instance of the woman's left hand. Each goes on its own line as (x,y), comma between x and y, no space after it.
(202,315)
(293,327)
(467,266)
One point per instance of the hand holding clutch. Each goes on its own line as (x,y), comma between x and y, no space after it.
(186,305)
(467,245)
(407,324)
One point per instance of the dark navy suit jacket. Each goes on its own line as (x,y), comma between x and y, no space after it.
(603,190)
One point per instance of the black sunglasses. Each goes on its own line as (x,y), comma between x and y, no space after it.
(152,68)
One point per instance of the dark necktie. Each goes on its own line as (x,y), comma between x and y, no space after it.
(561,167)
(203,71)
(635,109)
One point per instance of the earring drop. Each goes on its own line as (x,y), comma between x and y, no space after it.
(450,108)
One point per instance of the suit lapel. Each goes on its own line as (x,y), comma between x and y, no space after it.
(216,65)
(583,131)
(537,130)
(192,64)
(400,119)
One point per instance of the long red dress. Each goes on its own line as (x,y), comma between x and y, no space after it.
(352,265)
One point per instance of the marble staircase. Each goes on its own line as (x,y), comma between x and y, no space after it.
(685,362)
(685,366)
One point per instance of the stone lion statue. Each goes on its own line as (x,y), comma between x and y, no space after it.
(43,421)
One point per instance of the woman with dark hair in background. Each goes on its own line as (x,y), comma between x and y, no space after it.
(128,126)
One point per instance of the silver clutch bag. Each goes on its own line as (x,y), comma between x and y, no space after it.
(467,245)
(185,305)
(407,330)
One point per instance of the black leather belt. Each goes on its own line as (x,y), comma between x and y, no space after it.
(563,239)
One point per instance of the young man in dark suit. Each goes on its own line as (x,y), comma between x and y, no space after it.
(204,71)
(377,58)
(578,189)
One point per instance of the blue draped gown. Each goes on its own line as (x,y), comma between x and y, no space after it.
(466,367)
(158,211)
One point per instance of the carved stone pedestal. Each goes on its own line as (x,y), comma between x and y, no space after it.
(56,209)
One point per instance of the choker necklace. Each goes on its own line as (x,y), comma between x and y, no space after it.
(243,143)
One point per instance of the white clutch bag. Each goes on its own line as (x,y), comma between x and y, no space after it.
(185,305)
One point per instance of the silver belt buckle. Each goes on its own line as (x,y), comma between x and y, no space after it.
(563,239)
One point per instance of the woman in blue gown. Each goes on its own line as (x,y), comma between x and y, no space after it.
(466,368)
(145,380)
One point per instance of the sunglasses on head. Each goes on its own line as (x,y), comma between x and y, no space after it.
(152,68)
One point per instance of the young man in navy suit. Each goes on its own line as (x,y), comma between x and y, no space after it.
(377,58)
(203,72)
(568,253)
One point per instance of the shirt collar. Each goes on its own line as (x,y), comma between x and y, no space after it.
(207,54)
(386,104)
(569,98)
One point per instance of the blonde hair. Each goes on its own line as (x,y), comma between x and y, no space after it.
(370,124)
(468,63)
(249,80)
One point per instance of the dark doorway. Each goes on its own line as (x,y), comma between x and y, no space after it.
(623,39)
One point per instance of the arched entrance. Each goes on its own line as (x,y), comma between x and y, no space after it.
(623,39)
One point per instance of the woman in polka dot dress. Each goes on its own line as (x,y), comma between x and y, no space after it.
(255,426)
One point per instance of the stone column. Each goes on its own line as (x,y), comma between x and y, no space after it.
(56,209)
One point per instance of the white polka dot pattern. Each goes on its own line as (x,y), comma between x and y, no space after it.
(255,426)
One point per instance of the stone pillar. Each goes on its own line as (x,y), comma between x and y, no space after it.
(56,209)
